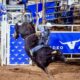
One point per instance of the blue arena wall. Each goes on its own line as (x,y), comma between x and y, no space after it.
(17,51)
(32,9)
(67,43)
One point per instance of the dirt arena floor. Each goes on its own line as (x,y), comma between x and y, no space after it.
(58,71)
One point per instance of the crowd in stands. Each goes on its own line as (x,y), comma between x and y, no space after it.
(8,2)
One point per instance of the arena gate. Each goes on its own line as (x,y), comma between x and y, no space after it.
(13,52)
(3,39)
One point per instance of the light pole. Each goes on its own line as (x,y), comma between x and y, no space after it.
(43,11)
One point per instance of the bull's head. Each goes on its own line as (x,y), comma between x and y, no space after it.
(58,56)
(24,29)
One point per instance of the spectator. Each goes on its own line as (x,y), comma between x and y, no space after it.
(2,10)
(22,1)
(7,2)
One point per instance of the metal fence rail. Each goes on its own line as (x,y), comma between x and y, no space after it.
(15,7)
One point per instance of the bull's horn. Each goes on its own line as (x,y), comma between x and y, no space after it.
(54,52)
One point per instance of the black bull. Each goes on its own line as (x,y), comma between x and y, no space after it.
(42,57)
